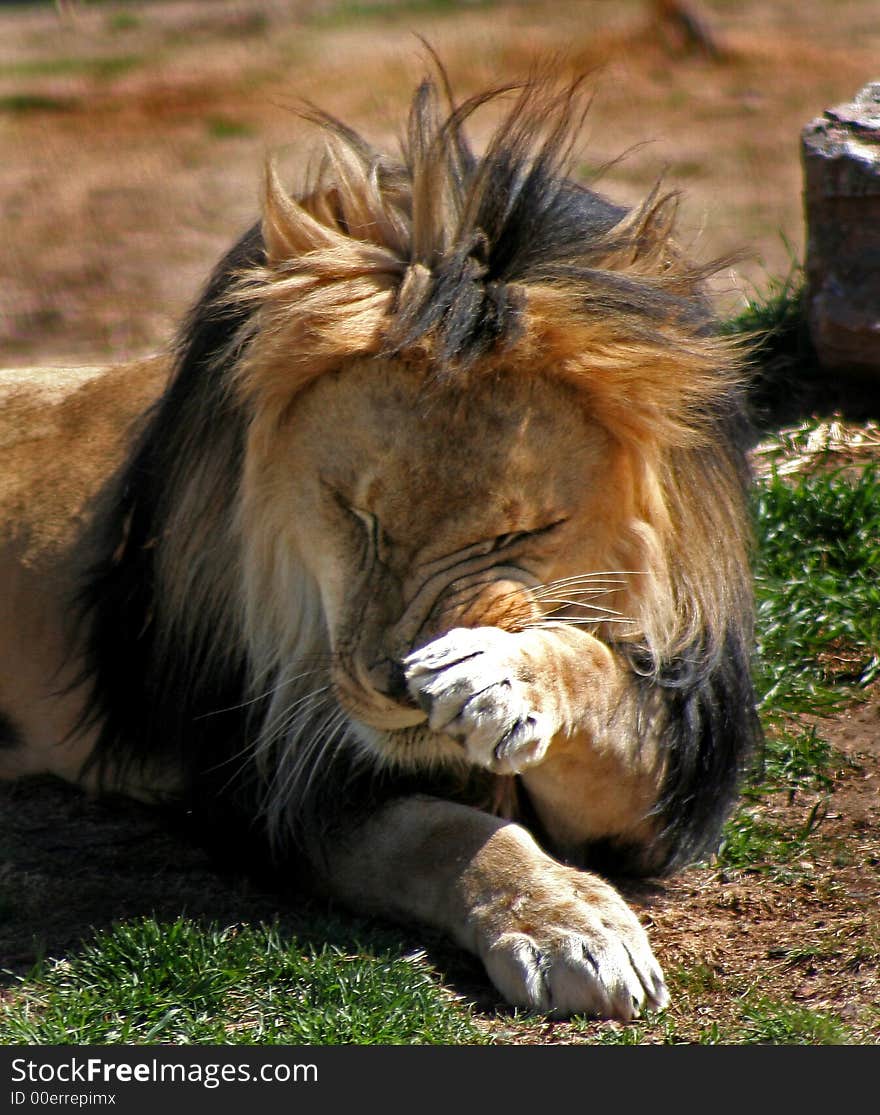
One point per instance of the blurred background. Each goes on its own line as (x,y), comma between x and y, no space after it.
(134,133)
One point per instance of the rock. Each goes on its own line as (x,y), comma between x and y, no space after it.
(841,157)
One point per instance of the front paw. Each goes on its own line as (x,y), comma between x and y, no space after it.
(584,953)
(469,683)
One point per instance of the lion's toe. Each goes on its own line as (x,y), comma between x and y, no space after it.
(576,974)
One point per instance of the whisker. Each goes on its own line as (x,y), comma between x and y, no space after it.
(271,691)
(591,621)
(599,574)
(323,744)
(599,581)
(562,602)
(597,588)
(259,747)
(288,714)
(312,753)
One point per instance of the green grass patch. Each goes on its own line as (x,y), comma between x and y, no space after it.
(358,11)
(753,840)
(755,1021)
(104,68)
(696,980)
(753,843)
(765,1022)
(795,758)
(817,588)
(818,635)
(224,127)
(798,758)
(123,21)
(147,982)
(21,103)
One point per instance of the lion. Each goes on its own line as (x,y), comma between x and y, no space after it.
(424,554)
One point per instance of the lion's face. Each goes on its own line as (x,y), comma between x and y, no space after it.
(418,509)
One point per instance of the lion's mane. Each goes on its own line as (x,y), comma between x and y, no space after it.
(194,643)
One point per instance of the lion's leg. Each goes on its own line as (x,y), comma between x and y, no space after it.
(552,938)
(555,706)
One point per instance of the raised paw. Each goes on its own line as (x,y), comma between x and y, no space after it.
(470,683)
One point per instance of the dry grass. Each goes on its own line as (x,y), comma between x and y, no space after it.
(811,446)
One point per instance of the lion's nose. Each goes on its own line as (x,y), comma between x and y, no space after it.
(387,677)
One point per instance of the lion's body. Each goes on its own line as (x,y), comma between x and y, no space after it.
(433,524)
(64,432)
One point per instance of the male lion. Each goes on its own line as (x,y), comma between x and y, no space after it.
(426,550)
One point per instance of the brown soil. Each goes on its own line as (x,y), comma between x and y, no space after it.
(809,936)
(134,140)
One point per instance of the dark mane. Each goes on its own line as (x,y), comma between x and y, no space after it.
(155,709)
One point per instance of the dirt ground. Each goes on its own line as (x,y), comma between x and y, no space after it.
(134,136)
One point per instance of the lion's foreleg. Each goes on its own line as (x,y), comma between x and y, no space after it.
(552,938)
(555,706)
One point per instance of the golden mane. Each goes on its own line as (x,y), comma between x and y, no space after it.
(468,265)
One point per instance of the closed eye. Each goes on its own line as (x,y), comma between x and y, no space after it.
(513,538)
(378,540)
(368,519)
(365,518)
(371,525)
